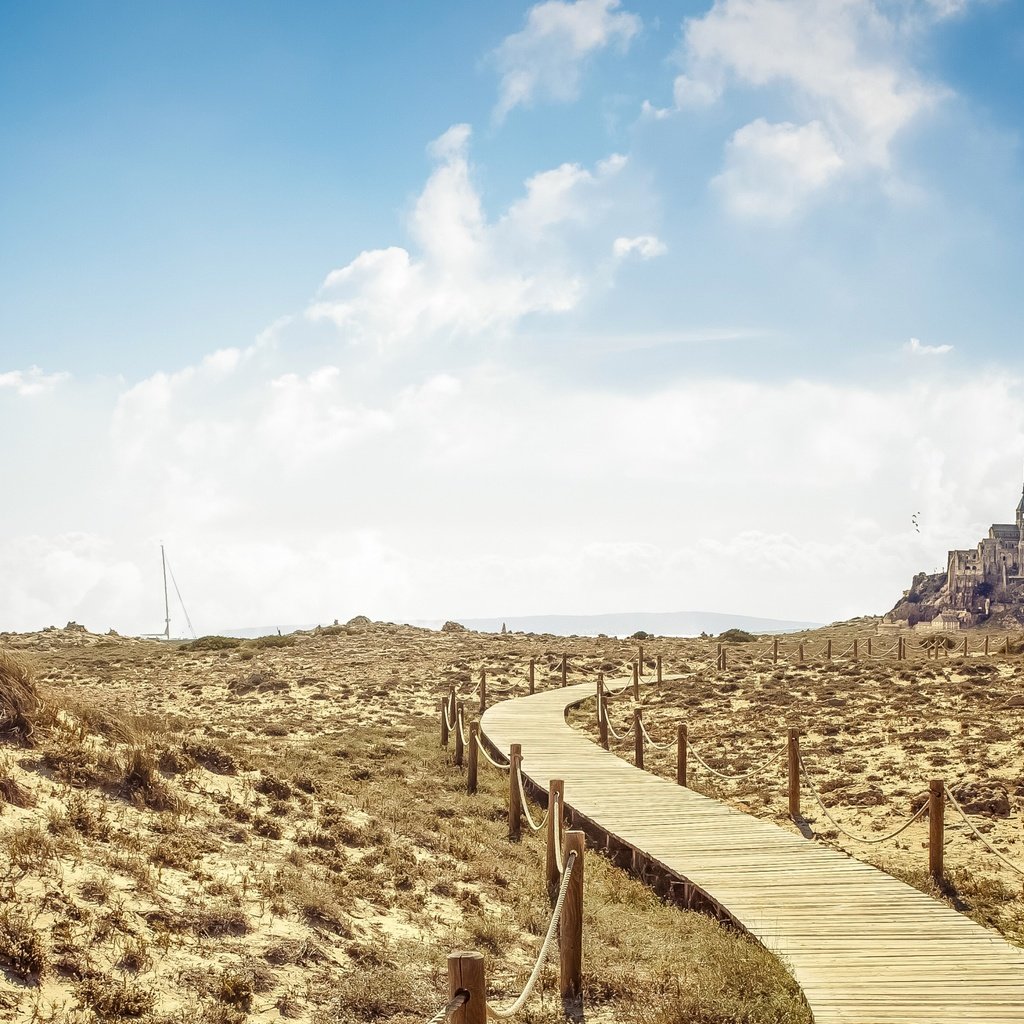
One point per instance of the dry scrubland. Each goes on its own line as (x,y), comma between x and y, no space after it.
(874,733)
(262,830)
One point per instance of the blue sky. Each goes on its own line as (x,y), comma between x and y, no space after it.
(461,308)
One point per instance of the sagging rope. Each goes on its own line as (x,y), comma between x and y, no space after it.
(557,828)
(545,949)
(736,778)
(872,841)
(524,804)
(647,737)
(970,824)
(462,731)
(609,692)
(611,729)
(457,1000)
(488,758)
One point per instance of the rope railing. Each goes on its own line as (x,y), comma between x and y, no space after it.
(611,728)
(510,1011)
(525,805)
(871,840)
(970,824)
(457,1000)
(735,778)
(490,760)
(648,739)
(556,811)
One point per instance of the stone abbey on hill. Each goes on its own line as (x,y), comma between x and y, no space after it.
(980,584)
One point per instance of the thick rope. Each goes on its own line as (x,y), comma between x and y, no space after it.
(991,849)
(545,949)
(647,738)
(736,778)
(462,731)
(611,730)
(874,840)
(457,1000)
(557,829)
(525,805)
(609,692)
(488,758)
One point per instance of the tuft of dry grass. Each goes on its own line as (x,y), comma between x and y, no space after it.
(20,703)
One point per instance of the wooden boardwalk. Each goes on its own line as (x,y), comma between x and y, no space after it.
(864,947)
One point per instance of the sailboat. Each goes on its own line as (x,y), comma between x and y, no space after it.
(166,634)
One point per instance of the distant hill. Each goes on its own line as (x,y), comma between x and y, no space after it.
(612,624)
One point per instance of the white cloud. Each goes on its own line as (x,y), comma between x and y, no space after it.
(32,381)
(471,275)
(771,170)
(645,247)
(842,63)
(914,347)
(545,60)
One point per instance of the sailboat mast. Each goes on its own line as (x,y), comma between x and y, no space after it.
(167,607)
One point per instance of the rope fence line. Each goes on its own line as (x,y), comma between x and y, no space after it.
(777,756)
(991,849)
(874,840)
(648,739)
(487,757)
(545,949)
(534,826)
(456,1001)
(556,811)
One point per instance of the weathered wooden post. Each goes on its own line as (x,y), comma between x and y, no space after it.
(636,681)
(640,658)
(936,820)
(483,690)
(899,649)
(965,646)
(793,760)
(460,732)
(466,974)
(986,645)
(533,663)
(600,696)
(775,651)
(565,670)
(515,800)
(681,743)
(570,926)
(659,668)
(474,755)
(602,725)
(725,658)
(869,647)
(638,737)
(856,650)
(556,794)
(1006,644)
(444,721)
(800,654)
(828,649)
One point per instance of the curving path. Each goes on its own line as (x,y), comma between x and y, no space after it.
(864,947)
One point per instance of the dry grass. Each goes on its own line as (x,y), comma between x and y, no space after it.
(20,705)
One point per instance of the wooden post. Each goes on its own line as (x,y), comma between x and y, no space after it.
(533,662)
(869,647)
(636,681)
(793,758)
(936,818)
(775,651)
(1006,644)
(725,659)
(638,738)
(986,645)
(800,654)
(515,801)
(600,695)
(681,741)
(483,690)
(828,650)
(856,651)
(570,926)
(965,646)
(444,721)
(659,668)
(460,725)
(474,758)
(556,794)
(466,974)
(602,725)
(640,658)
(565,670)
